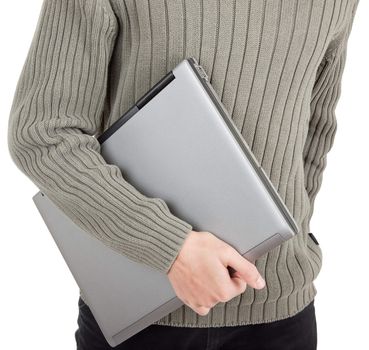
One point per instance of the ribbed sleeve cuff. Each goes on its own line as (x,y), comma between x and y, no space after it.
(167,235)
(170,234)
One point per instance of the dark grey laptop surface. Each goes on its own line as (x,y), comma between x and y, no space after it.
(177,143)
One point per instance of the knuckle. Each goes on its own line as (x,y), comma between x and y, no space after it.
(223,296)
(254,270)
(202,310)
(208,234)
(209,305)
(250,268)
(253,273)
(228,250)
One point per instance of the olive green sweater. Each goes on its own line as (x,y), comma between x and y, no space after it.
(277,66)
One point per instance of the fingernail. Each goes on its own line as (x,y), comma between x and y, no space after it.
(260,283)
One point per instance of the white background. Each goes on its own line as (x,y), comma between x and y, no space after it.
(38,294)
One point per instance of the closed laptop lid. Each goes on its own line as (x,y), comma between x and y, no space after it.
(174,144)
(178,147)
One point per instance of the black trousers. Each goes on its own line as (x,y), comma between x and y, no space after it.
(298,332)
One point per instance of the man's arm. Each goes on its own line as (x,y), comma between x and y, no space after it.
(57,108)
(323,121)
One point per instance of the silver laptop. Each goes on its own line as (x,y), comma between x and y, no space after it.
(177,143)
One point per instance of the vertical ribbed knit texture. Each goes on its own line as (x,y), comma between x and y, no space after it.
(277,66)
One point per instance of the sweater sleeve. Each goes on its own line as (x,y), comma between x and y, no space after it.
(323,122)
(56,112)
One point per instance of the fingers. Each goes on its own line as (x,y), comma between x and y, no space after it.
(246,270)
(236,286)
(202,310)
(239,285)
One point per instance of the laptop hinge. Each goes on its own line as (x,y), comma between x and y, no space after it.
(160,85)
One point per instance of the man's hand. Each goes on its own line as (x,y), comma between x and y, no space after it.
(200,276)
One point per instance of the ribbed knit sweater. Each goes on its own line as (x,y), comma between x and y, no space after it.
(277,66)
